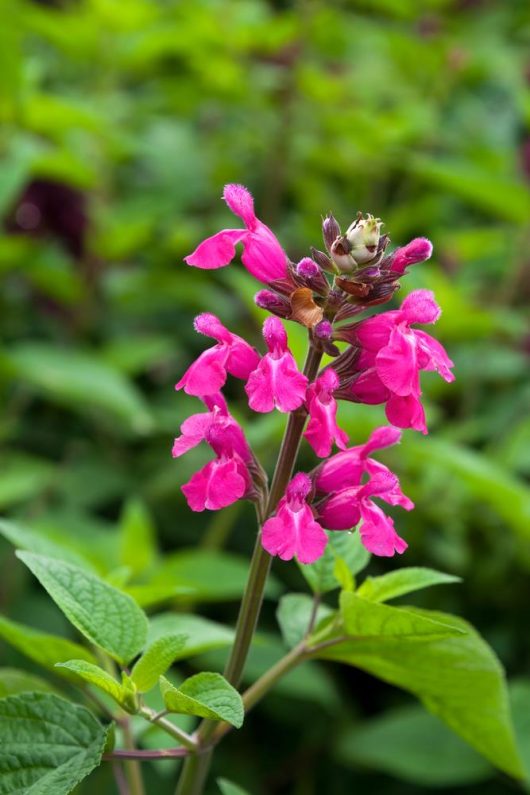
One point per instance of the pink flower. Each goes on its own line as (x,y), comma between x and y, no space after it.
(293,531)
(276,381)
(262,255)
(342,510)
(322,429)
(393,356)
(207,375)
(226,479)
(418,250)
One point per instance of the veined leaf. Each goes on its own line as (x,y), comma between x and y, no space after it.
(48,744)
(402,581)
(104,615)
(365,619)
(201,633)
(155,661)
(96,676)
(41,647)
(13,681)
(207,695)
(458,678)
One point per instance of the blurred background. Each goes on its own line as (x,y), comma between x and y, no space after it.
(121,121)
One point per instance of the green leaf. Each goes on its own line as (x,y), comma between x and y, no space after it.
(321,575)
(401,743)
(49,745)
(13,681)
(42,648)
(365,619)
(294,614)
(156,660)
(457,678)
(228,788)
(202,634)
(137,536)
(402,581)
(96,676)
(207,695)
(34,541)
(519,691)
(23,478)
(104,615)
(81,381)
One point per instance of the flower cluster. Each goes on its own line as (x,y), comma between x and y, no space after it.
(374,359)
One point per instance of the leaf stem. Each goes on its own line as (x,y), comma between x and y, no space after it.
(162,753)
(180,735)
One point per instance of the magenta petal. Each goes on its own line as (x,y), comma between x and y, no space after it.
(242,358)
(263,255)
(368,388)
(393,495)
(382,437)
(420,307)
(276,382)
(322,429)
(216,251)
(240,201)
(193,431)
(294,533)
(207,374)
(340,511)
(434,356)
(377,532)
(397,364)
(373,333)
(218,484)
(406,412)
(418,250)
(211,326)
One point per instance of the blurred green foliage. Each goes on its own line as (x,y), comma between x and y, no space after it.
(121,121)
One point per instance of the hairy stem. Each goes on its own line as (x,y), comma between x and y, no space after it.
(132,767)
(196,767)
(181,736)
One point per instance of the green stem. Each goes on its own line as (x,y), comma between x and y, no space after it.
(178,734)
(195,769)
(132,767)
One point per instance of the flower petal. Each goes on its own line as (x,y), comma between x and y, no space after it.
(377,532)
(216,251)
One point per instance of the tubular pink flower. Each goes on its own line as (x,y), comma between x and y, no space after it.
(262,256)
(293,531)
(207,375)
(394,354)
(343,510)
(276,381)
(418,250)
(322,429)
(346,469)
(225,479)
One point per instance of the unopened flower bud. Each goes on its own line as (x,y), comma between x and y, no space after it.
(323,330)
(310,275)
(273,302)
(323,260)
(418,250)
(363,236)
(330,230)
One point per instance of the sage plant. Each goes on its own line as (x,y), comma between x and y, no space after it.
(330,519)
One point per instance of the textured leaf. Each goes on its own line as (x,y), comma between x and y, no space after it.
(106,616)
(401,743)
(42,648)
(207,695)
(155,661)
(96,676)
(13,681)
(458,678)
(369,619)
(321,575)
(48,744)
(402,581)
(294,613)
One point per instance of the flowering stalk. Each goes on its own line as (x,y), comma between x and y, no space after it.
(380,363)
